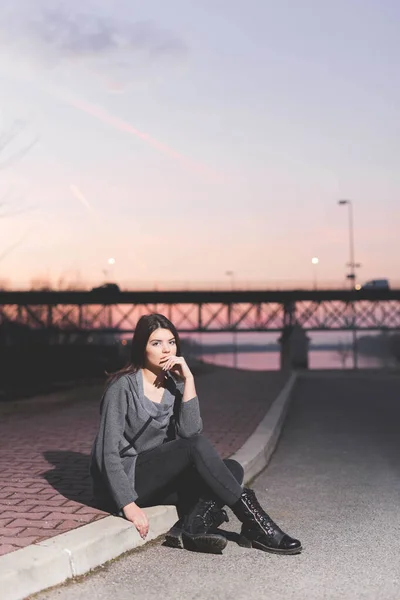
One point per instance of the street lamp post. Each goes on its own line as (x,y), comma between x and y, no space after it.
(352,275)
(315,261)
(352,264)
(231,274)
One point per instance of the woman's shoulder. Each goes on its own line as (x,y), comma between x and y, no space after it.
(115,393)
(118,384)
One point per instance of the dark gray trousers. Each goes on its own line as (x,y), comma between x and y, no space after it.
(181,471)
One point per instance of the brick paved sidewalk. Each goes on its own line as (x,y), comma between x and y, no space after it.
(44,449)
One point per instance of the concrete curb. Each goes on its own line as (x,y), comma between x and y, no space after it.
(53,561)
(256,452)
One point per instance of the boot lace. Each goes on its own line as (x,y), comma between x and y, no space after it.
(260,515)
(211,514)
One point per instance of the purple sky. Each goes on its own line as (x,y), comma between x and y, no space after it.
(185,139)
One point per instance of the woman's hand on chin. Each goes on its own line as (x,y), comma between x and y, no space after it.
(177,365)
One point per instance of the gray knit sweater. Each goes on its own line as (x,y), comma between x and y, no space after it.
(130,424)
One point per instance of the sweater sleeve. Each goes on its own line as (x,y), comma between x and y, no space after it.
(112,425)
(189,421)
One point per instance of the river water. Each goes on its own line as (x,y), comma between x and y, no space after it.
(318,359)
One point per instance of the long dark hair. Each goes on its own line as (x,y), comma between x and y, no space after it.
(144,328)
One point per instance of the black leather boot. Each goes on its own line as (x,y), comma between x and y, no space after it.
(259,530)
(197,530)
(173,537)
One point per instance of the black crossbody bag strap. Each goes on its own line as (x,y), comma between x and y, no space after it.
(136,437)
(141,430)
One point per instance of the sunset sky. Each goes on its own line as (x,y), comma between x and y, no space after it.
(189,138)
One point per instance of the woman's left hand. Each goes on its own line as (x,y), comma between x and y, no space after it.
(177,365)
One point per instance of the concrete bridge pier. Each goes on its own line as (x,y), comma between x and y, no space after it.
(294,348)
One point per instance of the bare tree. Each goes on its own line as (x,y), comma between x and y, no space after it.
(67,285)
(14,245)
(344,352)
(9,205)
(10,153)
(4,284)
(7,139)
(42,283)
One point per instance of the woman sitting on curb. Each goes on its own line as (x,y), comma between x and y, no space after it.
(149,451)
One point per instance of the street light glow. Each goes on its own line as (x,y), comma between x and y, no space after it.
(111,261)
(315,260)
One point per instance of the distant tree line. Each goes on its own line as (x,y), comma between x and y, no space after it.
(384,345)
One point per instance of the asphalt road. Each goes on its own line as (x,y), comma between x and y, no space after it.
(334,482)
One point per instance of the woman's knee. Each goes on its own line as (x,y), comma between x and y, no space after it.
(191,445)
(235,468)
(199,444)
(189,441)
(197,441)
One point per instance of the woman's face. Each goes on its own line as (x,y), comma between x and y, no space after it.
(161,343)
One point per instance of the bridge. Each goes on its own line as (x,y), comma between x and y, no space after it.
(204,311)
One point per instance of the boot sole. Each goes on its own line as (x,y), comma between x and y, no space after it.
(174,539)
(246,543)
(207,543)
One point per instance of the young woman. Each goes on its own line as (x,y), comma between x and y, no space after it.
(149,450)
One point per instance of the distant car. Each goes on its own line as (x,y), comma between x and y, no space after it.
(376,284)
(107,288)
